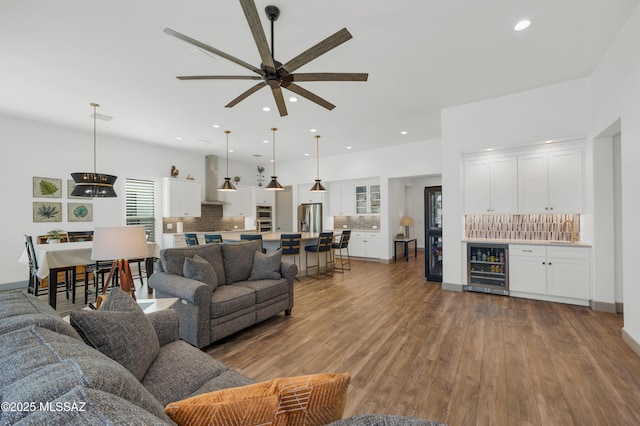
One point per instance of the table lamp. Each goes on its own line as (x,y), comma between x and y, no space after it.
(119,244)
(406,222)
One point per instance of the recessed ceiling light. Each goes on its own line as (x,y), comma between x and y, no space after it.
(489,149)
(312,130)
(549,141)
(522,25)
(266,109)
(349,147)
(293,99)
(179,138)
(404,132)
(265,141)
(217,126)
(306,154)
(230,150)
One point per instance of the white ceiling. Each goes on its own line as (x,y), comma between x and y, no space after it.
(421,55)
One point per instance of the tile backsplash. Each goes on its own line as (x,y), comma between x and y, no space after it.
(356,222)
(211,219)
(521,226)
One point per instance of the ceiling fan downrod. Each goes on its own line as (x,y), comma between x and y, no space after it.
(272,15)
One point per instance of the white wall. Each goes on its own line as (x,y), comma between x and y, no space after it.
(556,111)
(616,96)
(30,148)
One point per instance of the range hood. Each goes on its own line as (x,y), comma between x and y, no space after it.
(211,181)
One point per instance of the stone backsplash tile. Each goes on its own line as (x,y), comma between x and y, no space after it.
(356,222)
(521,226)
(211,220)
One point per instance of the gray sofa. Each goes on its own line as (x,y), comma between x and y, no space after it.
(223,288)
(51,376)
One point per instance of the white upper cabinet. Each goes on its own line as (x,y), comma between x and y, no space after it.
(305,196)
(341,201)
(550,182)
(181,198)
(491,185)
(237,203)
(263,197)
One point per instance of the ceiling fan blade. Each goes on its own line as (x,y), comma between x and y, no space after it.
(329,76)
(251,13)
(218,77)
(319,49)
(245,94)
(311,96)
(277,95)
(213,50)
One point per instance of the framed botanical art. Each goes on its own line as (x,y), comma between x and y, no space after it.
(70,185)
(80,212)
(47,212)
(47,187)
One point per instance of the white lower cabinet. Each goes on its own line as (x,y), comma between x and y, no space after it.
(554,273)
(365,244)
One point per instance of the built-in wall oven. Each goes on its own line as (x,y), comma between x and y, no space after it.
(488,268)
(264,220)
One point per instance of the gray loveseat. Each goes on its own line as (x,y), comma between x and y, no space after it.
(49,375)
(223,288)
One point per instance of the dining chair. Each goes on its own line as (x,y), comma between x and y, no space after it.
(97,272)
(323,245)
(253,237)
(342,244)
(212,238)
(64,279)
(290,246)
(192,239)
(42,239)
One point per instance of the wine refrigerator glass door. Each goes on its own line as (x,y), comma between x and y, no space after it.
(433,233)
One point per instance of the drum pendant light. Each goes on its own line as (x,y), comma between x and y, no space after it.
(317,187)
(227,186)
(274,185)
(94,184)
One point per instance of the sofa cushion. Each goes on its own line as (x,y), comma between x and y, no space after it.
(226,379)
(121,331)
(30,358)
(199,269)
(266,289)
(20,310)
(238,259)
(231,298)
(179,370)
(172,259)
(266,266)
(310,400)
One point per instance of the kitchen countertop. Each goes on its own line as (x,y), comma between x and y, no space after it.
(527,242)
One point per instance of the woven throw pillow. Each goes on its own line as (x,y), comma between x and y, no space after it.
(310,400)
(266,267)
(199,269)
(121,331)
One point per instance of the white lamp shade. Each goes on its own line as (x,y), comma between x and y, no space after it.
(125,242)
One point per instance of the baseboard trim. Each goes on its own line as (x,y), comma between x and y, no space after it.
(633,344)
(452,287)
(604,306)
(619,307)
(14,285)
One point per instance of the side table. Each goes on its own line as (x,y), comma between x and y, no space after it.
(405,242)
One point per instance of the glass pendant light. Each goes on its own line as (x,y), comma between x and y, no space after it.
(227,186)
(94,184)
(274,185)
(317,187)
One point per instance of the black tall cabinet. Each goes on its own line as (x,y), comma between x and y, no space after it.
(433,233)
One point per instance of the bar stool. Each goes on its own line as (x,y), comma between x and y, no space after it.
(322,246)
(253,237)
(342,244)
(192,239)
(290,246)
(212,238)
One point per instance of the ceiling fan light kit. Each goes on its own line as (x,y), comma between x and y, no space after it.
(273,73)
(93,184)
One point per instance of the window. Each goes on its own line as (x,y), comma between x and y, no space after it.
(141,205)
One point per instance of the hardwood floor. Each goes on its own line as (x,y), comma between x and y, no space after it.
(459,358)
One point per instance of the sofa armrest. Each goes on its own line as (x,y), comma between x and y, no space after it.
(193,308)
(288,270)
(166,324)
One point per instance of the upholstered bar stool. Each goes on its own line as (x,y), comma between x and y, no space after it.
(342,244)
(290,246)
(191,239)
(252,237)
(322,246)
(212,238)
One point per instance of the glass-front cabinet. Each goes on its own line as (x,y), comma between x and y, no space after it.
(367,199)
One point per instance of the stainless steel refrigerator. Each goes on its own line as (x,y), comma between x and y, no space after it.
(310,217)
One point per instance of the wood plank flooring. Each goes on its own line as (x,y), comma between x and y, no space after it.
(459,358)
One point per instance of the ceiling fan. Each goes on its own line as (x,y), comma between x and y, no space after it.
(273,73)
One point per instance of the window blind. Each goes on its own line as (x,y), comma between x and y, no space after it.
(141,205)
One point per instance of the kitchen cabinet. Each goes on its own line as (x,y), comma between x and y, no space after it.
(365,244)
(490,185)
(263,197)
(181,198)
(305,196)
(367,199)
(237,203)
(550,182)
(556,273)
(341,201)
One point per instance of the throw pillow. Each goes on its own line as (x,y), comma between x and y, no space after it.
(310,400)
(238,260)
(266,267)
(199,269)
(121,331)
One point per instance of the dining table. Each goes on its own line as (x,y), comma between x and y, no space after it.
(51,258)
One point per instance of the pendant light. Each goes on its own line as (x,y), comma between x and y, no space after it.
(94,184)
(317,187)
(227,186)
(274,185)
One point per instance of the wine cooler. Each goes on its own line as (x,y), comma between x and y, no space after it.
(488,268)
